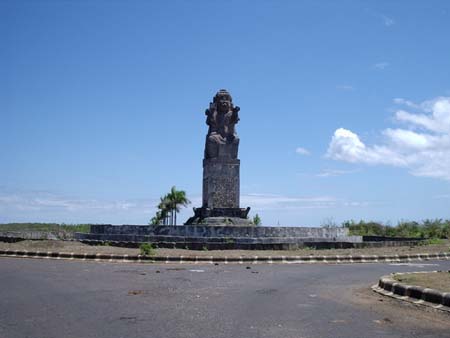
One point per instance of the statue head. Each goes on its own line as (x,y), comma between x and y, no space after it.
(223,101)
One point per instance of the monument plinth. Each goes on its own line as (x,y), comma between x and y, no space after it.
(221,183)
(221,167)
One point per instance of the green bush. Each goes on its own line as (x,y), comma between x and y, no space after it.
(147,249)
(435,241)
(257,220)
(428,228)
(363,228)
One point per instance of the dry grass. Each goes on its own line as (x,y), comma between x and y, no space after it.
(66,246)
(433,280)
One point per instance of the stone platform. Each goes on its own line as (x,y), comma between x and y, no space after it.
(220,217)
(222,237)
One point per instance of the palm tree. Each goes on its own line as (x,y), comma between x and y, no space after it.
(156,219)
(164,207)
(177,199)
(169,206)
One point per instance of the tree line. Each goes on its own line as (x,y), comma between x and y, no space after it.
(428,228)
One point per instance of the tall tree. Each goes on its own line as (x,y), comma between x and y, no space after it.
(177,199)
(164,207)
(168,207)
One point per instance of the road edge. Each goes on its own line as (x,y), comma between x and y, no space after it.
(337,259)
(388,286)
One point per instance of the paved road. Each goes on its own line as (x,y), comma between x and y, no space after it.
(51,298)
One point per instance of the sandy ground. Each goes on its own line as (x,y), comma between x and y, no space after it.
(68,246)
(437,280)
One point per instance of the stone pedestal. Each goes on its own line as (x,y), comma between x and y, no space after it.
(220,183)
(221,195)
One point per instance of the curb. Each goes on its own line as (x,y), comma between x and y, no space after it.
(225,260)
(390,287)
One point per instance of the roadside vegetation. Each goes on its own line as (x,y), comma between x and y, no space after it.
(257,220)
(433,229)
(147,249)
(47,227)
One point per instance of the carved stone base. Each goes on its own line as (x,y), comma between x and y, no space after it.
(220,217)
(220,183)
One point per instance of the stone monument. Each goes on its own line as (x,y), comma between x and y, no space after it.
(221,167)
(220,223)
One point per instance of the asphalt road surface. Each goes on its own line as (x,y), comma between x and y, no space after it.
(55,298)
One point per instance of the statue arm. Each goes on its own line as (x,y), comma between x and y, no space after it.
(235,114)
(208,117)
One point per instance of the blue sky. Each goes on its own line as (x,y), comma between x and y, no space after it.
(345,107)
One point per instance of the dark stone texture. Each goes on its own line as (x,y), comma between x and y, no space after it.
(222,140)
(391,239)
(220,183)
(223,237)
(12,236)
(198,237)
(221,231)
(220,217)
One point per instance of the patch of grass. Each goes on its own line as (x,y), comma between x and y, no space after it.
(48,227)
(433,280)
(434,241)
(147,249)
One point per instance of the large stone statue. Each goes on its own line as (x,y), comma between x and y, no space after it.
(222,116)
(221,167)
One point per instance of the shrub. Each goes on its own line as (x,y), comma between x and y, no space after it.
(257,220)
(147,249)
(428,228)
(435,241)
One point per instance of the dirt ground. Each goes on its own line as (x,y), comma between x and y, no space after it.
(433,280)
(77,247)
(392,311)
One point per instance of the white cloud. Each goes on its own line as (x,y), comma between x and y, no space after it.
(334,172)
(409,139)
(408,103)
(387,20)
(423,146)
(445,196)
(47,207)
(302,151)
(345,87)
(29,206)
(346,146)
(268,202)
(381,65)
